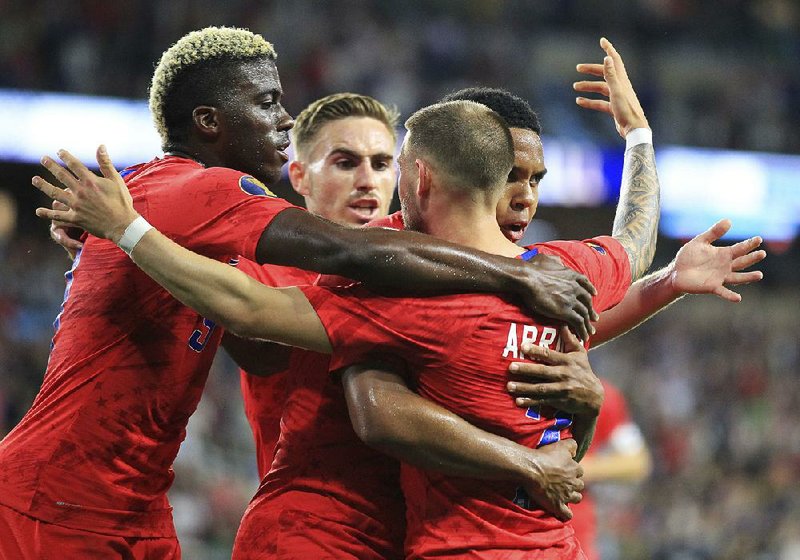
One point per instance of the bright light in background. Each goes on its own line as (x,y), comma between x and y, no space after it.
(41,123)
(759,192)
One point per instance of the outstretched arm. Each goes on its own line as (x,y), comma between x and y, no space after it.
(411,261)
(698,268)
(636,221)
(391,418)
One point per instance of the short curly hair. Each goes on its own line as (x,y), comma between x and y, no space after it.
(339,106)
(195,71)
(515,111)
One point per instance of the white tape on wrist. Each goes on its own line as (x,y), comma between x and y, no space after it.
(638,136)
(133,234)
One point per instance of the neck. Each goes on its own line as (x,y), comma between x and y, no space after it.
(203,157)
(471,225)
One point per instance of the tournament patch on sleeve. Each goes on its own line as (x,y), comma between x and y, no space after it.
(596,247)
(253,186)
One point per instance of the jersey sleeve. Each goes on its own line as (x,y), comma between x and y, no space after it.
(603,260)
(357,322)
(275,275)
(218,212)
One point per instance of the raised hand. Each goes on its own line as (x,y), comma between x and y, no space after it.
(558,292)
(558,480)
(64,234)
(702,268)
(563,380)
(100,205)
(622,102)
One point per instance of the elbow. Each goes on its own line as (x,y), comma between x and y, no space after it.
(371,421)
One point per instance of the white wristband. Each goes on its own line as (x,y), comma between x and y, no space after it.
(133,234)
(638,136)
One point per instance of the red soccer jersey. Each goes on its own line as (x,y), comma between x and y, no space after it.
(264,396)
(129,362)
(613,415)
(458,348)
(327,494)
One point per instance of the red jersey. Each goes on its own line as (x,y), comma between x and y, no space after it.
(613,416)
(325,494)
(264,396)
(458,348)
(129,362)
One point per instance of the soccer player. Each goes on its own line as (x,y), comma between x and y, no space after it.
(619,453)
(344,168)
(87,469)
(437,335)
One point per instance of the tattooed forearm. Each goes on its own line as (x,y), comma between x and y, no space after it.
(636,222)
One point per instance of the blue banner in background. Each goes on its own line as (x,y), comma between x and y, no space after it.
(760,192)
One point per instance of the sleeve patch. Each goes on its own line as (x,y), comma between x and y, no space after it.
(253,186)
(597,248)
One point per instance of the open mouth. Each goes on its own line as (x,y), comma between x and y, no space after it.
(366,208)
(514,231)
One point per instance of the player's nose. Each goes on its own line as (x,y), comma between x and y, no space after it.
(365,176)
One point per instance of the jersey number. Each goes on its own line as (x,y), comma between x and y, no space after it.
(200,336)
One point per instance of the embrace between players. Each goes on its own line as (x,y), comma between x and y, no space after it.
(418,371)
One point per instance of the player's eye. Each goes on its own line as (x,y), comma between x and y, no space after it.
(345,164)
(381,165)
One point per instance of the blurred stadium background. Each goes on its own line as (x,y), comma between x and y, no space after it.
(715,386)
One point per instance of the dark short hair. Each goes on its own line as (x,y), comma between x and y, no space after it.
(465,140)
(515,111)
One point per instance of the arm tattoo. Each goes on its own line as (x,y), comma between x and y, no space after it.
(636,222)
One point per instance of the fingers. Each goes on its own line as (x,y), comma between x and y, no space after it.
(617,64)
(106,165)
(716,231)
(62,175)
(59,234)
(739,278)
(571,343)
(578,323)
(587,284)
(572,447)
(594,105)
(48,214)
(591,87)
(590,69)
(563,513)
(63,196)
(728,295)
(75,165)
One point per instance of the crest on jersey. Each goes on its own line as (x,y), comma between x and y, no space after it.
(597,248)
(253,186)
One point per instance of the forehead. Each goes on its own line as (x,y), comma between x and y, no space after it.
(362,135)
(257,76)
(528,151)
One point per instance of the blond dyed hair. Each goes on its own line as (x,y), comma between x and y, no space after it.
(340,106)
(194,50)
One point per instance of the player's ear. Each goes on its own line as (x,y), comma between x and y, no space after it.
(207,121)
(425,178)
(297,176)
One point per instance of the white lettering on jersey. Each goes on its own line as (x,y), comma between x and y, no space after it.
(548,336)
(530,333)
(511,343)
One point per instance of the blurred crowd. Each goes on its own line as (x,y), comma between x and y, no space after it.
(714,386)
(719,74)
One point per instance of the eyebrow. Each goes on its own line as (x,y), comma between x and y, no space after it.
(274,92)
(356,155)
